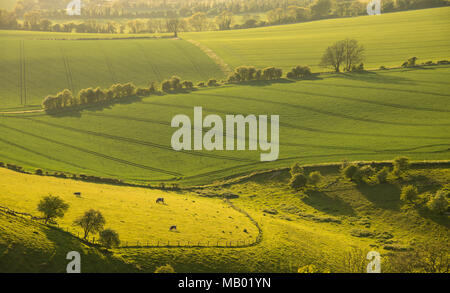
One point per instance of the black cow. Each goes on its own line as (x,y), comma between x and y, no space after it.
(173,228)
(160,200)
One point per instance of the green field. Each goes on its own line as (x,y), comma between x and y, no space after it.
(317,227)
(359,116)
(38,66)
(389,39)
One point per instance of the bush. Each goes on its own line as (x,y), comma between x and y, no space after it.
(298,181)
(201,84)
(109,238)
(409,193)
(299,72)
(439,202)
(142,92)
(167,269)
(314,178)
(272,73)
(212,82)
(296,169)
(401,166)
(352,172)
(187,84)
(411,62)
(382,175)
(166,86)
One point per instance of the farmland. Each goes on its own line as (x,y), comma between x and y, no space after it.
(388,38)
(298,228)
(220,198)
(38,66)
(359,116)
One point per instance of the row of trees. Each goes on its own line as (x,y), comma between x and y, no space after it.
(190,16)
(53,207)
(249,73)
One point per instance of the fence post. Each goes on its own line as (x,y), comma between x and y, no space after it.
(158,243)
(178,243)
(199,243)
(137,243)
(168,242)
(147,243)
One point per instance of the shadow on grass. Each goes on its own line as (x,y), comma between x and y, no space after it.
(327,204)
(385,196)
(442,220)
(374,77)
(93,259)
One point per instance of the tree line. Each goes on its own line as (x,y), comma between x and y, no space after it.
(161,17)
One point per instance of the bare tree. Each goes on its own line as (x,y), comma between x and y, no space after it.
(346,53)
(174,25)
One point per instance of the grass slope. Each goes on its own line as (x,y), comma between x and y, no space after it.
(29,247)
(316,227)
(389,39)
(40,64)
(367,116)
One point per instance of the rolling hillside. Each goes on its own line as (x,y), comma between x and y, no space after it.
(318,226)
(388,38)
(358,116)
(38,64)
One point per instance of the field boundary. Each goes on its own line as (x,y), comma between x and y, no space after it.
(211,54)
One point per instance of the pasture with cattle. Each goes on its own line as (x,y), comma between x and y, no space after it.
(255,138)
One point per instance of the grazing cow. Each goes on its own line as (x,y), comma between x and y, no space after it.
(173,228)
(77,194)
(160,200)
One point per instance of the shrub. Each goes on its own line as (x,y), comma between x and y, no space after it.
(314,178)
(408,193)
(382,67)
(296,169)
(411,62)
(271,73)
(401,165)
(167,269)
(175,83)
(442,62)
(299,72)
(39,172)
(439,202)
(143,92)
(212,82)
(381,176)
(109,238)
(352,172)
(298,181)
(187,84)
(166,86)
(201,84)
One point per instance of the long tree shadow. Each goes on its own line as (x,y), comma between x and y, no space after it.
(93,259)
(439,219)
(328,204)
(384,196)
(374,77)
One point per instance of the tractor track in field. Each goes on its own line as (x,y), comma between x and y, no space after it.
(68,70)
(284,124)
(152,65)
(224,67)
(140,142)
(323,112)
(392,105)
(108,63)
(22,74)
(96,154)
(41,154)
(191,60)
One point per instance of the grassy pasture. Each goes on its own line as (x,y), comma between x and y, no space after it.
(367,116)
(316,227)
(132,212)
(38,66)
(389,39)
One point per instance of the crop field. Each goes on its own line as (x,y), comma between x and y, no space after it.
(389,39)
(37,67)
(367,116)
